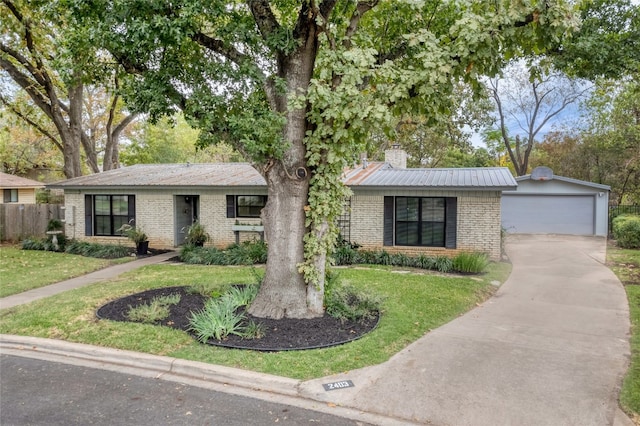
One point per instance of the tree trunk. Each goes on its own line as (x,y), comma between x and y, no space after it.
(283,292)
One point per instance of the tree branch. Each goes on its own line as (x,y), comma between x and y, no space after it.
(361,8)
(218,46)
(264,17)
(28,85)
(31,122)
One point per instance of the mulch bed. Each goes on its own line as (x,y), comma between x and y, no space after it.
(279,335)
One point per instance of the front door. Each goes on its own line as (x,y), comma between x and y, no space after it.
(186,207)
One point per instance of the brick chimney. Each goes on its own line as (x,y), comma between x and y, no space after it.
(396,157)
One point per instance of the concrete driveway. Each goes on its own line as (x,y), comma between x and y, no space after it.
(550,348)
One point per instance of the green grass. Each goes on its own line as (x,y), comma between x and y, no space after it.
(22,270)
(414,303)
(626,265)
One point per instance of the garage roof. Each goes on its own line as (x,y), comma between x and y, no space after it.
(569,180)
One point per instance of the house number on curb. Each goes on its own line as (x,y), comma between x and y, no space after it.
(338,385)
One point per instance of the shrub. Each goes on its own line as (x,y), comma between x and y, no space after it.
(45,244)
(247,253)
(217,320)
(220,317)
(626,231)
(100,251)
(471,262)
(443,264)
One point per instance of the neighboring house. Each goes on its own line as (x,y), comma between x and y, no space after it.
(549,204)
(18,190)
(433,211)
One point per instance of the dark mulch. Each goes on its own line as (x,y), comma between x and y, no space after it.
(279,335)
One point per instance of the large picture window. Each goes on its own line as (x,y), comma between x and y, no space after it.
(105,214)
(420,221)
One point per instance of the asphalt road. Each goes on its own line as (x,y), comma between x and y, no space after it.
(36,392)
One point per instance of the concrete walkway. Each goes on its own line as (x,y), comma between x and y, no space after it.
(81,281)
(550,348)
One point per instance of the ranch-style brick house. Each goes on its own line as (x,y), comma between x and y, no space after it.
(431,211)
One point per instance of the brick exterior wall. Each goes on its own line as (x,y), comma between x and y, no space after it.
(478,220)
(155,214)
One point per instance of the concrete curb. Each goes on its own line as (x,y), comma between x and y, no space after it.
(208,376)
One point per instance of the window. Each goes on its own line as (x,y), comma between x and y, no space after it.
(420,221)
(245,205)
(105,214)
(10,195)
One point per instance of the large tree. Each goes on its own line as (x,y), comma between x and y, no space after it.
(296,86)
(35,54)
(527,100)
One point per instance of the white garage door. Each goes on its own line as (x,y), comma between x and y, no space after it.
(548,214)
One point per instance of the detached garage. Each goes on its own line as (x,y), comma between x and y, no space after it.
(548,204)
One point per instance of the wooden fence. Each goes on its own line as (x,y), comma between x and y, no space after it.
(19,221)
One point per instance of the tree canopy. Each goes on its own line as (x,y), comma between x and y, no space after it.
(297,87)
(53,66)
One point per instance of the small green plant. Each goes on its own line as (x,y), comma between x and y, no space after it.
(242,295)
(626,231)
(470,262)
(134,233)
(54,225)
(218,319)
(443,264)
(197,235)
(220,316)
(154,311)
(253,330)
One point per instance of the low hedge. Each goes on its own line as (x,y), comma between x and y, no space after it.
(626,231)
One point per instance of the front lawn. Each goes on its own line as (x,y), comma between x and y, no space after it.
(626,265)
(414,303)
(22,270)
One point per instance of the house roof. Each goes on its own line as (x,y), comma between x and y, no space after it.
(373,175)
(13,181)
(569,180)
(170,175)
(476,178)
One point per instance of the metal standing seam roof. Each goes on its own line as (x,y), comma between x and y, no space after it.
(477,178)
(569,180)
(374,175)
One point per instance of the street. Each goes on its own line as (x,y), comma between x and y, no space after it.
(36,392)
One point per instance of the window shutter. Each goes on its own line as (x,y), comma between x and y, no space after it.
(231,206)
(88,215)
(451,224)
(387,238)
(131,204)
